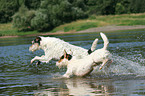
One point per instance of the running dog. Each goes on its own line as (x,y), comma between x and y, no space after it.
(54,47)
(84,66)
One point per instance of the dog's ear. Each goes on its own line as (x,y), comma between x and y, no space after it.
(90,51)
(38,39)
(65,54)
(69,57)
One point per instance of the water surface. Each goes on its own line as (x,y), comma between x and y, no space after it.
(125,76)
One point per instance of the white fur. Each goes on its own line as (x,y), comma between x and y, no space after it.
(54,47)
(82,67)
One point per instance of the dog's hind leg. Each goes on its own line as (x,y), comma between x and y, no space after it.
(103,64)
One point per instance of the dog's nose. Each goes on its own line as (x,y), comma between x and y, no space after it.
(32,41)
(30,49)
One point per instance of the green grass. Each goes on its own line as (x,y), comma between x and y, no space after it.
(79,25)
(8,30)
(16,33)
(100,21)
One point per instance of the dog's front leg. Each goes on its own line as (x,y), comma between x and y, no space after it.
(67,74)
(42,59)
(35,58)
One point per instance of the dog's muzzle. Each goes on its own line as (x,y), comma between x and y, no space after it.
(34,47)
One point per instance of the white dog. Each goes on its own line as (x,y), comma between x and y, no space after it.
(54,47)
(84,66)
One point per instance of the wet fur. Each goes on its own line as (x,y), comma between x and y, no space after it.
(84,66)
(54,47)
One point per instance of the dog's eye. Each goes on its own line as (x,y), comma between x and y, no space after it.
(36,41)
(62,57)
(69,57)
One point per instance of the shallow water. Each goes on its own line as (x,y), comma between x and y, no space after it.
(125,76)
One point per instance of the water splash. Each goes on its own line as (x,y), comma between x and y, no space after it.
(122,66)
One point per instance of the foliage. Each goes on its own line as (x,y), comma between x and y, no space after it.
(22,19)
(10,7)
(136,6)
(7,9)
(43,15)
(107,7)
(32,4)
(41,20)
(101,7)
(50,14)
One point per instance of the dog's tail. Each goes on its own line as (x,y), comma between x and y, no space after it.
(93,47)
(105,39)
(94,44)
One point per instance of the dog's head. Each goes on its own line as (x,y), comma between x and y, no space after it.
(35,44)
(63,61)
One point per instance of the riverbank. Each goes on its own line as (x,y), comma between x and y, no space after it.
(98,29)
(91,24)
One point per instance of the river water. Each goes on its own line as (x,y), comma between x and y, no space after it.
(125,76)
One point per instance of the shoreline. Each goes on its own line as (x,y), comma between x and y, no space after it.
(98,29)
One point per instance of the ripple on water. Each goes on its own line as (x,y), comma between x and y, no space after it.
(125,76)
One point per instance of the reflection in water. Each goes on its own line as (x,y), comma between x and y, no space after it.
(93,87)
(78,87)
(85,87)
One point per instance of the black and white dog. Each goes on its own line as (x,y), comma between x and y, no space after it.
(84,66)
(54,48)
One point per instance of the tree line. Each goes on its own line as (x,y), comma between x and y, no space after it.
(44,15)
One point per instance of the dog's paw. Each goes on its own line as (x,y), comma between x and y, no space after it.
(66,76)
(38,63)
(100,68)
(32,61)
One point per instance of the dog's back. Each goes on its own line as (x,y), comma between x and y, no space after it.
(54,48)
